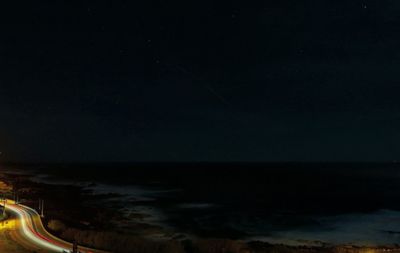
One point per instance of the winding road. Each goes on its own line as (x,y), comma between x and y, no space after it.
(31,234)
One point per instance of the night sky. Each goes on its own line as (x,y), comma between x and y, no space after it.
(129,81)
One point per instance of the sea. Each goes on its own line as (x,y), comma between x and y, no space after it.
(282,203)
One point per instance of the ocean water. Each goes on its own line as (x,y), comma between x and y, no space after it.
(299,204)
(375,228)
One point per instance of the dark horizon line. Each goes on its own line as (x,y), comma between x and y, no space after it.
(181,163)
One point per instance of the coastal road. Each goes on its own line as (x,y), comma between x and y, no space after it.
(30,233)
